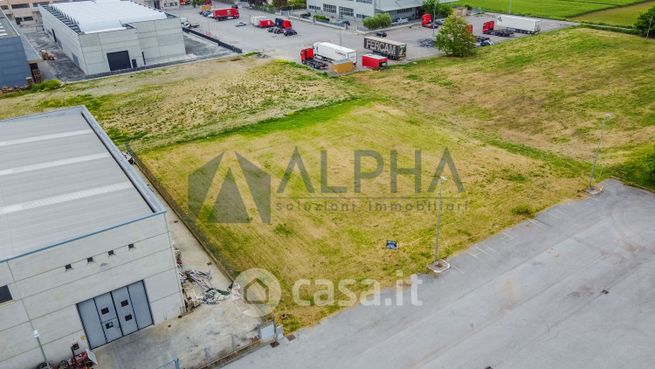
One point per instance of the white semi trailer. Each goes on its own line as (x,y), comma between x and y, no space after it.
(332,52)
(519,24)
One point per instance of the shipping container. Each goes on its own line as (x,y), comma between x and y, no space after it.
(374,61)
(519,24)
(332,52)
(389,48)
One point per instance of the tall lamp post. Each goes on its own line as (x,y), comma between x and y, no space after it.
(510,7)
(434,16)
(440,265)
(591,188)
(38,340)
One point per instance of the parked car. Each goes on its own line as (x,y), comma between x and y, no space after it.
(271,29)
(401,21)
(381,34)
(432,25)
(290,32)
(342,22)
(278,30)
(240,24)
(305,15)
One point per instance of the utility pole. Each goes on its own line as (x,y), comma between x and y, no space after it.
(510,7)
(38,340)
(439,265)
(434,16)
(597,153)
(650,25)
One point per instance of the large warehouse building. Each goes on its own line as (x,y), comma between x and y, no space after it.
(85,254)
(103,36)
(360,9)
(18,59)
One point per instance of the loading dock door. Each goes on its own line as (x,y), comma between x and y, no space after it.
(113,315)
(119,60)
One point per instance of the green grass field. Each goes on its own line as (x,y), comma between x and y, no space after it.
(558,9)
(521,120)
(621,16)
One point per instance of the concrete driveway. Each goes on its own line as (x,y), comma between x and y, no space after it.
(573,288)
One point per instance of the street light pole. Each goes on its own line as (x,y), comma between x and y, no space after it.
(650,25)
(510,7)
(597,153)
(440,265)
(436,241)
(434,15)
(38,340)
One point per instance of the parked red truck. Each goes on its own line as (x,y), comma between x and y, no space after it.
(225,13)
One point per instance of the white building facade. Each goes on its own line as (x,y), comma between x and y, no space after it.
(110,35)
(85,254)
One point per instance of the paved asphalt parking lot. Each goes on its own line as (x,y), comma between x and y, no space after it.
(250,38)
(572,288)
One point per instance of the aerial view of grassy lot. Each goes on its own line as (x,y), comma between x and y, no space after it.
(621,16)
(558,9)
(520,119)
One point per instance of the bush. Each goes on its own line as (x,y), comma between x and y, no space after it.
(523,209)
(49,85)
(441,10)
(321,18)
(645,24)
(454,39)
(380,20)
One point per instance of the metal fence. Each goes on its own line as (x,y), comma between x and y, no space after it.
(188,221)
(213,39)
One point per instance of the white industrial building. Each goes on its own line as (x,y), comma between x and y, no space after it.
(85,254)
(360,9)
(111,35)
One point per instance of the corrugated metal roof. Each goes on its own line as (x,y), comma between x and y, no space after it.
(106,15)
(61,178)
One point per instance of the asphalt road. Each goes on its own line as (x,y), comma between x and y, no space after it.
(250,38)
(529,297)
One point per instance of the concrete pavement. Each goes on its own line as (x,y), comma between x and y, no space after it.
(572,288)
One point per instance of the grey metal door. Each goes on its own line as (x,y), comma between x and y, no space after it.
(113,315)
(92,324)
(108,317)
(124,310)
(140,304)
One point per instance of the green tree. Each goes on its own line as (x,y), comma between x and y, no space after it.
(454,39)
(380,20)
(645,24)
(437,8)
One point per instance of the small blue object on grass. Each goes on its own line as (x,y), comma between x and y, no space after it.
(392,245)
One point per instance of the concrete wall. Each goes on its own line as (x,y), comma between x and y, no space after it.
(45,294)
(95,47)
(67,39)
(14,69)
(160,40)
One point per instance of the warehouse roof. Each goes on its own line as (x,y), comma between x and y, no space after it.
(106,15)
(61,178)
(6,29)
